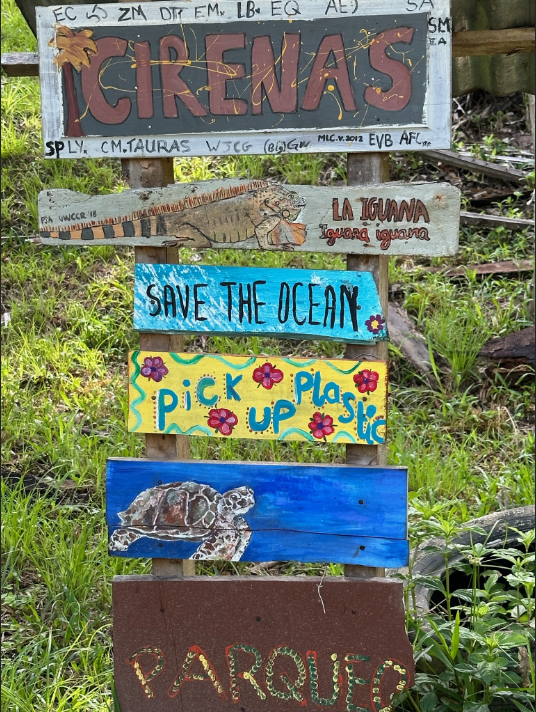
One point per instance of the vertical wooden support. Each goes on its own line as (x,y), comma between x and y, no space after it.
(363,169)
(154,173)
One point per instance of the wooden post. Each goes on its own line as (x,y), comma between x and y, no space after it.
(154,173)
(363,169)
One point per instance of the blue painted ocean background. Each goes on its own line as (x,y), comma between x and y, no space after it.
(307,513)
(215,298)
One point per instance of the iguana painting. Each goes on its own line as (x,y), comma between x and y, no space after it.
(256,209)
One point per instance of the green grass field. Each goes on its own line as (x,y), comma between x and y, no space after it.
(66,329)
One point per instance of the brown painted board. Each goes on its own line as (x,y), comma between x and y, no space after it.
(259,644)
(391,218)
(252,77)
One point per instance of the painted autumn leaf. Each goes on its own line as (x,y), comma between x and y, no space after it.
(74,47)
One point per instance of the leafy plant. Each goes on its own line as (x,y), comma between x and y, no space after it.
(476,647)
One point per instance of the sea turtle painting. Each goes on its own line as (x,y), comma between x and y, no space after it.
(188,510)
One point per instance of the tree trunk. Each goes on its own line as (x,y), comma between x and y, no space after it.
(74,127)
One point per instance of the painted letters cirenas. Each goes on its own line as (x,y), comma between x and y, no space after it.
(273,81)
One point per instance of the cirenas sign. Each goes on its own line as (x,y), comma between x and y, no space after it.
(251,77)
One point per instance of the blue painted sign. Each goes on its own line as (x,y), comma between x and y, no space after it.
(296,303)
(205,510)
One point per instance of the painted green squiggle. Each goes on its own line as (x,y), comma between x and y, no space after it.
(195,359)
(344,434)
(313,361)
(143,395)
(174,428)
(308,436)
(187,361)
(299,364)
(296,431)
(341,370)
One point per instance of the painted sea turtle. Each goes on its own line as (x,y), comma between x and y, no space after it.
(188,510)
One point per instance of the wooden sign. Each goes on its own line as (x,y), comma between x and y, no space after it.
(256,76)
(261,644)
(391,218)
(256,511)
(297,303)
(267,398)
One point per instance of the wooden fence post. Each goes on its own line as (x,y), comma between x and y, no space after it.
(363,169)
(154,173)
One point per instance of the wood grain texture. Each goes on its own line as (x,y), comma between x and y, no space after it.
(482,42)
(395,218)
(116,108)
(150,174)
(291,303)
(188,644)
(254,511)
(269,398)
(20,64)
(362,170)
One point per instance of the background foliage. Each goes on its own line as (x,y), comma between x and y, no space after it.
(66,329)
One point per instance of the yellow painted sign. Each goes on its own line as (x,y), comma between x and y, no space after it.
(271,398)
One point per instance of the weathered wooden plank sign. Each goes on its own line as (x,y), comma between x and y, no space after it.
(392,218)
(262,644)
(255,511)
(257,76)
(269,398)
(297,303)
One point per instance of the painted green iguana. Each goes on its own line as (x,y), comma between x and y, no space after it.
(225,216)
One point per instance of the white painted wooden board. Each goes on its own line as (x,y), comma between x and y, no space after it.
(390,218)
(252,77)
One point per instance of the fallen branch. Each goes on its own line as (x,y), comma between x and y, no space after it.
(481,219)
(412,344)
(475,165)
(507,267)
(517,347)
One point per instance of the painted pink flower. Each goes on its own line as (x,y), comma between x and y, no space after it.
(366,381)
(267,375)
(222,420)
(153,367)
(375,323)
(321,425)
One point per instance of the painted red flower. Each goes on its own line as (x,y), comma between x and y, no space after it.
(153,367)
(366,381)
(321,425)
(222,420)
(267,375)
(375,323)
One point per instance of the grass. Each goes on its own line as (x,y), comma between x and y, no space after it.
(467,441)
